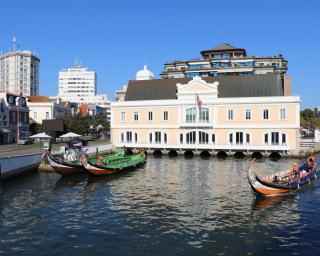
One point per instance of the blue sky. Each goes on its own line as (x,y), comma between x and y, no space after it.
(112,37)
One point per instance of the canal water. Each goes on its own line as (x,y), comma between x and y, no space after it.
(172,206)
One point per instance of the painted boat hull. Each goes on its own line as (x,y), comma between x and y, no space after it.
(266,189)
(65,169)
(101,170)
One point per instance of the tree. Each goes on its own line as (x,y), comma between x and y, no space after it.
(34,127)
(308,114)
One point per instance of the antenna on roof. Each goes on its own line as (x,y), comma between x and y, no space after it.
(14,42)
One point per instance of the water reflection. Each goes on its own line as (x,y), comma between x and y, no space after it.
(171,206)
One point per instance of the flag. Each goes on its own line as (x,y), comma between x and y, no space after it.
(199,102)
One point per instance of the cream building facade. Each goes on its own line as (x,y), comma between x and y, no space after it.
(245,114)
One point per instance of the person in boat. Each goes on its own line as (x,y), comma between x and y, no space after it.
(124,150)
(295,169)
(99,160)
(310,164)
(142,150)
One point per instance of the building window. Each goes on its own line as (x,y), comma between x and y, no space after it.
(203,138)
(191,137)
(191,115)
(181,138)
(158,137)
(150,116)
(135,116)
(123,116)
(282,113)
(165,138)
(213,138)
(275,138)
(135,137)
(248,138)
(25,118)
(265,114)
(248,114)
(230,138)
(122,137)
(165,115)
(284,139)
(47,115)
(230,114)
(266,139)
(239,138)
(204,115)
(129,137)
(150,137)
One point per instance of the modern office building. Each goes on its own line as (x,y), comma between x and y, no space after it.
(79,85)
(19,72)
(228,114)
(225,60)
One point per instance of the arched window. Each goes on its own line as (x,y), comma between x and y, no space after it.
(203,138)
(203,115)
(239,138)
(275,138)
(191,115)
(191,137)
(158,137)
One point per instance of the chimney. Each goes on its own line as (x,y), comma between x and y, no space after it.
(287,86)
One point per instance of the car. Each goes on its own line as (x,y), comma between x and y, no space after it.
(25,141)
(77,143)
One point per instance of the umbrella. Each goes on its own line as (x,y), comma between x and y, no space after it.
(41,135)
(70,135)
(100,127)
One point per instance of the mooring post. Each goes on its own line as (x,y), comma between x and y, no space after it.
(0,180)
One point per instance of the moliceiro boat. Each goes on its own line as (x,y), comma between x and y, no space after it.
(66,168)
(104,166)
(283,182)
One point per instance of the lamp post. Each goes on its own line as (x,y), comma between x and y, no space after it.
(18,119)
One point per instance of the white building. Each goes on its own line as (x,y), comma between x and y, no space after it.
(19,72)
(79,85)
(42,107)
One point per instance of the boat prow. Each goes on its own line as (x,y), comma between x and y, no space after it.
(65,169)
(265,189)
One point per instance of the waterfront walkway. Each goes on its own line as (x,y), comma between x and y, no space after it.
(9,150)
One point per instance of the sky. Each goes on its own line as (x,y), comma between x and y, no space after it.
(113,37)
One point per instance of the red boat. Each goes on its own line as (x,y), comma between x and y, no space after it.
(66,168)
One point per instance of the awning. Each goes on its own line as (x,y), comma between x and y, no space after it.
(5,130)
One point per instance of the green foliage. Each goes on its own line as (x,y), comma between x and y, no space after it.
(34,127)
(81,124)
(308,118)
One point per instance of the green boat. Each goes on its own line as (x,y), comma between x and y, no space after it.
(112,165)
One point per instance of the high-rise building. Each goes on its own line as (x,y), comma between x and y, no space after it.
(19,72)
(79,85)
(225,60)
